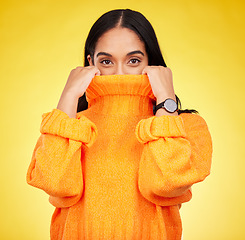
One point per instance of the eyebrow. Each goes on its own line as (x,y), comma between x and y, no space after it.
(128,54)
(103,53)
(136,52)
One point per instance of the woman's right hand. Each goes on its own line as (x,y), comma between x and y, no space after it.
(76,85)
(79,80)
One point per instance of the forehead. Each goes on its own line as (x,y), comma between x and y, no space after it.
(119,40)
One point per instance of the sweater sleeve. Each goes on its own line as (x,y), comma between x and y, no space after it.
(56,161)
(177,153)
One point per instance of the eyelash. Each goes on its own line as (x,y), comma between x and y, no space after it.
(107,60)
(133,59)
(103,61)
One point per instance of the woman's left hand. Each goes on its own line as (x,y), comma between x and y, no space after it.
(161,81)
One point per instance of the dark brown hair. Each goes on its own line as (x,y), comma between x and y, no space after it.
(135,21)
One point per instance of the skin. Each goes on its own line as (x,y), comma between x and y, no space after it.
(118,51)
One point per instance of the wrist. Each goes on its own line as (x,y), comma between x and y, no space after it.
(163,98)
(167,106)
(160,97)
(71,94)
(68,104)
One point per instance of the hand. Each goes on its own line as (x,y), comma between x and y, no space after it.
(79,80)
(77,83)
(161,81)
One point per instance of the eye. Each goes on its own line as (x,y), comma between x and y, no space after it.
(134,61)
(106,62)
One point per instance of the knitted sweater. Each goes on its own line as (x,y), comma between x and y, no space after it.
(117,171)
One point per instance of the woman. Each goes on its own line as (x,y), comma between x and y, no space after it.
(115,170)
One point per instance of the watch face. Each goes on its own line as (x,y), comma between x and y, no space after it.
(170,105)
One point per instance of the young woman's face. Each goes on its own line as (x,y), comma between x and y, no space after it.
(119,51)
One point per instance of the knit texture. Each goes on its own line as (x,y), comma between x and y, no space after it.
(117,171)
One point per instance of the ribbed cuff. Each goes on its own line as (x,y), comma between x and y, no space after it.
(59,123)
(154,128)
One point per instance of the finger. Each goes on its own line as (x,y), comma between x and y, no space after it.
(97,73)
(144,72)
(79,68)
(90,67)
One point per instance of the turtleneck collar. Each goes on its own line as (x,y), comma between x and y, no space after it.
(120,94)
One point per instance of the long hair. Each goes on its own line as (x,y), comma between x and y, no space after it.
(132,20)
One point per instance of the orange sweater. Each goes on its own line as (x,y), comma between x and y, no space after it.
(117,171)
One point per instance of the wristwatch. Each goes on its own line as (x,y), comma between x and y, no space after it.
(169,105)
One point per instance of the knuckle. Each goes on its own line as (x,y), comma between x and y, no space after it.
(79,68)
(75,69)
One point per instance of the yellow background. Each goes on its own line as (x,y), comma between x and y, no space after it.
(203,44)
